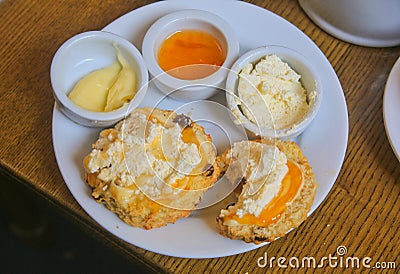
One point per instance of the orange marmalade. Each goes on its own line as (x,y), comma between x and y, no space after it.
(191,54)
(273,210)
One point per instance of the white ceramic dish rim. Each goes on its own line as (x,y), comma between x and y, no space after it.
(189,14)
(61,95)
(253,56)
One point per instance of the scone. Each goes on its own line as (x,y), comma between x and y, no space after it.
(278,189)
(152,168)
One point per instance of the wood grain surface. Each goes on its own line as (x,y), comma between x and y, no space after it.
(361,212)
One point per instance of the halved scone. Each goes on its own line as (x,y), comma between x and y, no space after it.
(152,168)
(278,189)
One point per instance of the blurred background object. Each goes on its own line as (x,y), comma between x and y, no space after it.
(371,23)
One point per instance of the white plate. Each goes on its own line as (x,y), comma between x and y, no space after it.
(391,108)
(324,142)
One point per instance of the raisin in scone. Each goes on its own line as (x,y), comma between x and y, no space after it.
(278,189)
(152,168)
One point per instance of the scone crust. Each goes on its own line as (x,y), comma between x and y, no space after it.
(296,212)
(141,211)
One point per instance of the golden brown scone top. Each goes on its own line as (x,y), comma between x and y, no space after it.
(152,168)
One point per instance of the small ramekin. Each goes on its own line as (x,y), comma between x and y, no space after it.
(187,90)
(309,79)
(87,52)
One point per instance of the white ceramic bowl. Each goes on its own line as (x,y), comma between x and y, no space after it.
(87,52)
(372,23)
(309,80)
(186,90)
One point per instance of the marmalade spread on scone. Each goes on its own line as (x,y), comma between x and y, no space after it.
(144,153)
(271,181)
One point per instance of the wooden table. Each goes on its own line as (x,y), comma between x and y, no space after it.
(361,212)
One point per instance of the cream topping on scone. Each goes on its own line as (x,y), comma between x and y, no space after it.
(139,149)
(286,210)
(263,167)
(152,168)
